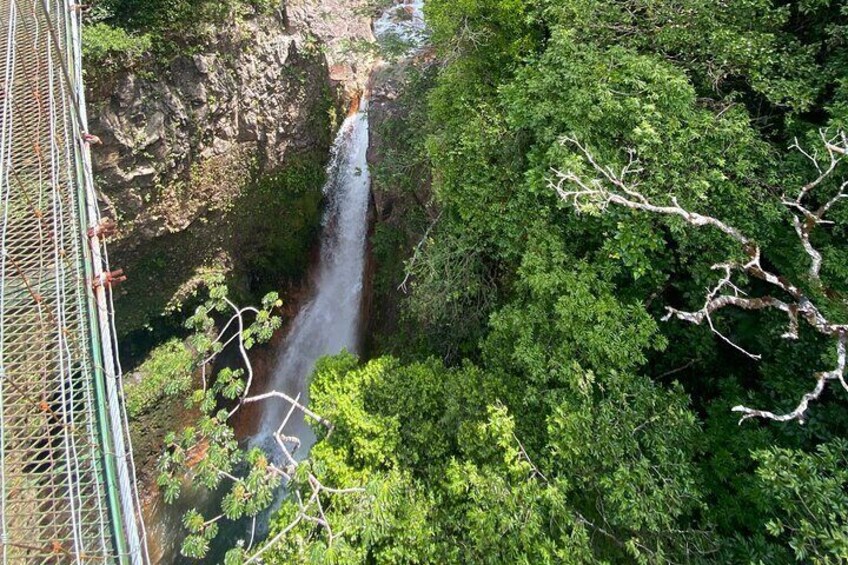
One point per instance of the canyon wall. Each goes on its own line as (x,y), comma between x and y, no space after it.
(213,162)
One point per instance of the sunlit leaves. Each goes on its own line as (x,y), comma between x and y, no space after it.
(207,453)
(167,371)
(229,383)
(491,494)
(201,532)
(810,491)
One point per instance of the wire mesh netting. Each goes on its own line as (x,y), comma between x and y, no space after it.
(54,473)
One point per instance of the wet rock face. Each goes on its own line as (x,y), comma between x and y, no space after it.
(257,88)
(182,144)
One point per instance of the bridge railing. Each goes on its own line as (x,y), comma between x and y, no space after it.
(67,487)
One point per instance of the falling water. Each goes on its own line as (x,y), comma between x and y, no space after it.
(329,322)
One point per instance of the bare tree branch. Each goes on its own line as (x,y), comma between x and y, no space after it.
(595,193)
(236,330)
(809,219)
(293,402)
(838,373)
(417,251)
(621,189)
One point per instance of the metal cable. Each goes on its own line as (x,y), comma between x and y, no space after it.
(5,125)
(57,339)
(120,424)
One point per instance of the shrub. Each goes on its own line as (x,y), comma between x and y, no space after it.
(108,47)
(167,371)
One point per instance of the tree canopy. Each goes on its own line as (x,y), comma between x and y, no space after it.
(543,406)
(544,412)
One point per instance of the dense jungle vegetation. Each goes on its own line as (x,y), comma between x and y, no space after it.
(126,33)
(537,402)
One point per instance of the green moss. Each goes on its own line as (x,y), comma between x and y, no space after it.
(259,243)
(167,371)
(283,215)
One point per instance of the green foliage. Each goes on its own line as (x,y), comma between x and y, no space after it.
(809,494)
(559,313)
(630,445)
(208,450)
(119,33)
(751,40)
(496,32)
(460,486)
(167,371)
(453,292)
(107,47)
(170,16)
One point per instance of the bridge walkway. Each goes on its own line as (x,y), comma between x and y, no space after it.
(67,492)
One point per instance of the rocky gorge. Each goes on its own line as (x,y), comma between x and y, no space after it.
(571,343)
(200,152)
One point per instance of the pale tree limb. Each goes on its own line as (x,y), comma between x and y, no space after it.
(416,253)
(257,557)
(620,188)
(239,318)
(822,378)
(810,219)
(716,301)
(595,192)
(293,402)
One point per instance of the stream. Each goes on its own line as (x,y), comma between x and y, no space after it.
(330,321)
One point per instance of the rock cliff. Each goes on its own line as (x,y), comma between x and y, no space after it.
(401,187)
(213,161)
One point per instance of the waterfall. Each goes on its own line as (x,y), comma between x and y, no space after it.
(403,22)
(330,321)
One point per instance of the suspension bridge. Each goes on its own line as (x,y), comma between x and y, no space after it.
(67,480)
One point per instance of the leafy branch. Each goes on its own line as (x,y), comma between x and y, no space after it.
(209,452)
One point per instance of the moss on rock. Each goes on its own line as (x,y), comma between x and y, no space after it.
(259,240)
